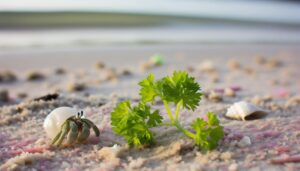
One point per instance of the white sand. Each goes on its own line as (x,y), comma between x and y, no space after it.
(275,135)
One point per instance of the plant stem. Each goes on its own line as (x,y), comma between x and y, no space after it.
(175,121)
(177,110)
(166,124)
(184,131)
(168,110)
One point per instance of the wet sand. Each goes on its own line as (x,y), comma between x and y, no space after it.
(267,75)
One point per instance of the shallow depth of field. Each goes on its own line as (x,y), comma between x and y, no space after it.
(237,61)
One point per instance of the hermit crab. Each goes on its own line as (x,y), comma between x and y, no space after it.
(64,122)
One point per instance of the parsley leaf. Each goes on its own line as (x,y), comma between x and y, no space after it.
(148,89)
(181,87)
(208,134)
(178,87)
(134,123)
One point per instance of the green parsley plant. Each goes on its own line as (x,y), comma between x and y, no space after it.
(180,90)
(183,91)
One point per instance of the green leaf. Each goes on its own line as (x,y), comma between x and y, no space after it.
(181,87)
(208,133)
(148,90)
(178,87)
(134,123)
(154,119)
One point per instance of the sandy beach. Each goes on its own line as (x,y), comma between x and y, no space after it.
(95,78)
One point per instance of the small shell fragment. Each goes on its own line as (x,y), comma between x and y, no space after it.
(245,111)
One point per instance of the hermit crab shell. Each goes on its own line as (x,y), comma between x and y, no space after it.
(245,111)
(56,118)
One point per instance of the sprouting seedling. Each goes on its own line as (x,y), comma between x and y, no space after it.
(183,91)
(179,90)
(76,127)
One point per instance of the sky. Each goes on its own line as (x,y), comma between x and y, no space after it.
(272,11)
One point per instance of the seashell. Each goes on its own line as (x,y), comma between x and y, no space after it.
(245,111)
(56,118)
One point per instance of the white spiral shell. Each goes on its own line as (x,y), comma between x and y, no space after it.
(243,111)
(56,118)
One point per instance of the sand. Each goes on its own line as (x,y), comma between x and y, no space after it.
(265,75)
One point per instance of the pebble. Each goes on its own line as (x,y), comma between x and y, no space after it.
(4,96)
(22,95)
(34,76)
(59,71)
(190,69)
(214,96)
(47,97)
(273,106)
(73,87)
(207,66)
(99,65)
(136,164)
(145,66)
(215,78)
(233,167)
(257,100)
(293,101)
(7,77)
(110,154)
(110,74)
(260,60)
(261,100)
(126,72)
(229,92)
(249,71)
(244,142)
(233,64)
(226,156)
(273,63)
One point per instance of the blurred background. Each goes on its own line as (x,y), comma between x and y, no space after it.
(106,46)
(39,23)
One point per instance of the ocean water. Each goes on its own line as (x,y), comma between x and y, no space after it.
(222,21)
(252,10)
(96,36)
